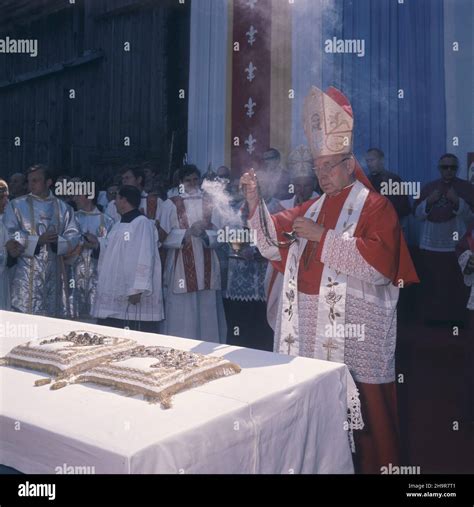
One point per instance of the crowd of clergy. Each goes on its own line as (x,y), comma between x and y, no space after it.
(142,255)
(147,256)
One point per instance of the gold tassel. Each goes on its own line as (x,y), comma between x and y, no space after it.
(29,365)
(165,396)
(42,382)
(58,385)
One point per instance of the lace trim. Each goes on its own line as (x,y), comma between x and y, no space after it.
(370,357)
(265,247)
(342,255)
(468,279)
(246,280)
(245,298)
(463,260)
(354,412)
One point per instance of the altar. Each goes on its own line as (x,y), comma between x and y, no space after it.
(280,414)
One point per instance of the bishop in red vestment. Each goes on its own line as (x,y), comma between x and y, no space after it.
(342,275)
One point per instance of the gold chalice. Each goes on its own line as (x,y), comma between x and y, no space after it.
(238,242)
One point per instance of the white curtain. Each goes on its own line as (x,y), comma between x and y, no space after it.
(459,73)
(208,114)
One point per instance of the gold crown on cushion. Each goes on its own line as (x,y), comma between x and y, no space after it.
(327,125)
(300,160)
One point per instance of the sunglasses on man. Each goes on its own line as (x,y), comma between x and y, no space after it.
(449,167)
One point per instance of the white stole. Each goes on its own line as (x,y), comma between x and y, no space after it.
(332,291)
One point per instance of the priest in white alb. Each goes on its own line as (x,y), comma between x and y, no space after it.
(192,278)
(342,274)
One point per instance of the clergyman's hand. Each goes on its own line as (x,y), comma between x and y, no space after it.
(198,228)
(469,269)
(248,183)
(48,237)
(433,197)
(453,197)
(14,248)
(134,299)
(92,241)
(306,228)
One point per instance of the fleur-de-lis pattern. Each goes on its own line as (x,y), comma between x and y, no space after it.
(250,107)
(250,71)
(251,35)
(250,141)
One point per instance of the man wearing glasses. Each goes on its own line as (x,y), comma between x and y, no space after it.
(342,269)
(445,207)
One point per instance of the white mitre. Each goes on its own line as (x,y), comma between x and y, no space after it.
(328,122)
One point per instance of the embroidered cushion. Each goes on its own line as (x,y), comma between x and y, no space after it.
(64,355)
(158,373)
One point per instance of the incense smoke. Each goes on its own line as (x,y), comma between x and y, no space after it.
(222,203)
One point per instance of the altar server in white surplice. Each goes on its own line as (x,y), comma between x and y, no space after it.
(192,280)
(129,292)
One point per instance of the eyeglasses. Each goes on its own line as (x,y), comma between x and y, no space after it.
(449,167)
(326,168)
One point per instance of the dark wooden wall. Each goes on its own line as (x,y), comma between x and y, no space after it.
(117,93)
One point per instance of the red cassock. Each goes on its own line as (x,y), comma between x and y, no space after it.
(381,243)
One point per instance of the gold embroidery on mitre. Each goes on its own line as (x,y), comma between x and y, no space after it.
(327,126)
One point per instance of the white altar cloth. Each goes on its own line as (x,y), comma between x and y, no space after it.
(279,415)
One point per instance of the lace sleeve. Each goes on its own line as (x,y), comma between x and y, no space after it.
(354,412)
(341,254)
(420,212)
(268,250)
(463,260)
